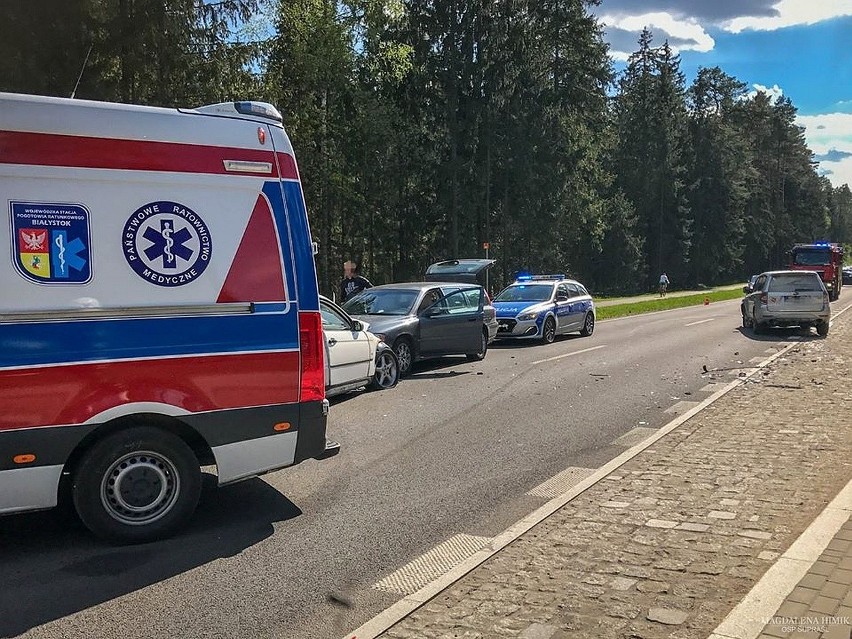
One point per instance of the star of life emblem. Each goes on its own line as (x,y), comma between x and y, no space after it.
(167,243)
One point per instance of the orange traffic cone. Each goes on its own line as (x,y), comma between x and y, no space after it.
(706,301)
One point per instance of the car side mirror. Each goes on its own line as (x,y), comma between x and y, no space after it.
(561,298)
(357,326)
(747,290)
(432,311)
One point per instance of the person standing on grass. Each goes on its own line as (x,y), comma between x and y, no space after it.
(352,283)
(664,284)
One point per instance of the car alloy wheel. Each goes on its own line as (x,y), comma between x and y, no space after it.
(548,333)
(404,355)
(588,325)
(387,371)
(483,349)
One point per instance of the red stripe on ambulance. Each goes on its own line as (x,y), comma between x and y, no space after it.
(77,151)
(73,394)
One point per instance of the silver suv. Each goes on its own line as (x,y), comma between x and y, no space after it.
(786,298)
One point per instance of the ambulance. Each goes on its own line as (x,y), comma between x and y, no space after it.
(159,309)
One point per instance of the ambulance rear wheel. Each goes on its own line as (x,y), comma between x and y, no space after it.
(137,485)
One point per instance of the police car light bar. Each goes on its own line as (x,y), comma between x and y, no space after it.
(533,278)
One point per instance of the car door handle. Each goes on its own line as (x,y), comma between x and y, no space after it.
(332,341)
(472,319)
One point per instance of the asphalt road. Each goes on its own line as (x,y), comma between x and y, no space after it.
(453,449)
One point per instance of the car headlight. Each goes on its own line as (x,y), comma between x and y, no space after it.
(525,317)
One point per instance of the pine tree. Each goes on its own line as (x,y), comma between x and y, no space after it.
(650,110)
(719,175)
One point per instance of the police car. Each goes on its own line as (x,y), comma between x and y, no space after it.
(542,307)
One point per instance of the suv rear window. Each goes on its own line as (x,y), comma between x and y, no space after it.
(787,283)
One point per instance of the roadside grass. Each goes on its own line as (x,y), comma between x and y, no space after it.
(665,303)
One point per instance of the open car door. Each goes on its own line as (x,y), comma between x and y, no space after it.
(470,271)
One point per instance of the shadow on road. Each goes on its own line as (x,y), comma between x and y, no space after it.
(780,334)
(53,567)
(436,368)
(425,369)
(508,344)
(439,374)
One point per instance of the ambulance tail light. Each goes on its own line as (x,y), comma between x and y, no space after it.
(312,385)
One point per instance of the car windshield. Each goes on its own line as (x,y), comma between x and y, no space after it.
(526,293)
(794,283)
(377,301)
(812,257)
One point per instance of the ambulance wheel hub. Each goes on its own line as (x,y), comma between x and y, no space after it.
(140,488)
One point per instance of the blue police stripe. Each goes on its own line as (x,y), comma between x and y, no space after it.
(92,340)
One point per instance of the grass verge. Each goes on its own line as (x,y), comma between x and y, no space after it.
(665,303)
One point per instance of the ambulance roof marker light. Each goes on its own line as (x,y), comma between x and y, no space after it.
(261,109)
(253,109)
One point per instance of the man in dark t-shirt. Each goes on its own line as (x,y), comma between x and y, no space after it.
(352,284)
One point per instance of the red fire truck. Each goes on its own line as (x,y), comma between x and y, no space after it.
(825,258)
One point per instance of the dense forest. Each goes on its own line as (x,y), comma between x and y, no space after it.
(425,128)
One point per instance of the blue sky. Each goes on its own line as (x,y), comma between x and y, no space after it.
(798,48)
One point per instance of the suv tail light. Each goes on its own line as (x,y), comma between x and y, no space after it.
(312,384)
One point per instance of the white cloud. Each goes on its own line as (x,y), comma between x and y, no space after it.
(774,92)
(683,34)
(790,13)
(831,132)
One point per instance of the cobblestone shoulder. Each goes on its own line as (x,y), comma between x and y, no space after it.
(670,542)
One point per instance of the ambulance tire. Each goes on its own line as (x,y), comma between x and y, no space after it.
(137,485)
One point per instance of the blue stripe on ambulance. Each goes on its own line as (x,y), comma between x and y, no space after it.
(96,340)
(291,217)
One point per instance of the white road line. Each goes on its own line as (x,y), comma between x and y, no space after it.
(681,407)
(432,564)
(710,319)
(553,359)
(561,482)
(632,437)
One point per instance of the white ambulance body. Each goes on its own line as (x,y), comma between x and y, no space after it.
(158,308)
